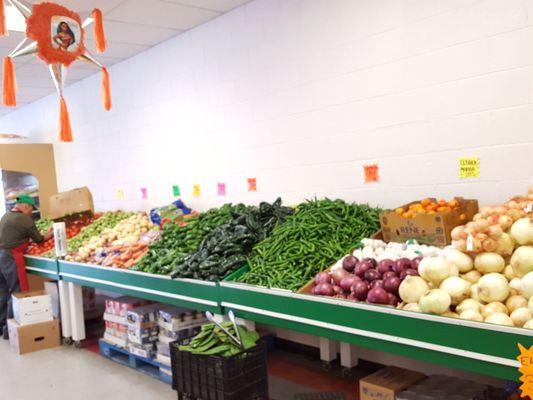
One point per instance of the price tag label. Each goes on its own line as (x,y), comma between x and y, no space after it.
(470,243)
(469,167)
(526,369)
(221,189)
(252,184)
(176,190)
(371,173)
(196,190)
(144,193)
(120,194)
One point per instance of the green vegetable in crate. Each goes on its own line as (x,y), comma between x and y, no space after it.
(44,224)
(179,240)
(214,341)
(224,249)
(311,240)
(107,220)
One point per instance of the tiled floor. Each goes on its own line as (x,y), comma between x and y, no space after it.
(67,373)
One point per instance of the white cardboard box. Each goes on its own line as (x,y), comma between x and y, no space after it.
(32,307)
(115,340)
(115,318)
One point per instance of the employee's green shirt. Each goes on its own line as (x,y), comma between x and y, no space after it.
(16,228)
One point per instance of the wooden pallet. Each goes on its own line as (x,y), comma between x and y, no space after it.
(122,356)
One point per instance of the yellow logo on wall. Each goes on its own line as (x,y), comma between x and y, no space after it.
(526,369)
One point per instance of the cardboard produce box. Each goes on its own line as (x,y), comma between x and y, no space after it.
(432,229)
(385,383)
(32,307)
(71,202)
(29,338)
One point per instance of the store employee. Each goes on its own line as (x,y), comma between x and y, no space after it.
(16,228)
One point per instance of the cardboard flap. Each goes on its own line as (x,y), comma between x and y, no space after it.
(73,201)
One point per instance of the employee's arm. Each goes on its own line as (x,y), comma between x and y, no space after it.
(34,233)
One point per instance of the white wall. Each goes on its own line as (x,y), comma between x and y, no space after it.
(301,94)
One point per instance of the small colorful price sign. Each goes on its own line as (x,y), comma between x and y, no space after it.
(468,167)
(526,369)
(371,173)
(196,190)
(221,189)
(176,190)
(120,194)
(144,193)
(252,184)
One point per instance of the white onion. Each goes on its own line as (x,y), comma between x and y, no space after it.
(474,293)
(450,314)
(469,304)
(522,231)
(434,269)
(461,260)
(505,245)
(435,301)
(471,315)
(520,316)
(526,285)
(500,319)
(528,324)
(509,273)
(454,270)
(493,308)
(514,302)
(493,287)
(472,276)
(489,262)
(516,285)
(412,307)
(522,261)
(456,287)
(412,289)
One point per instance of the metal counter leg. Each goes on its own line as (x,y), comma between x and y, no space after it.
(64,309)
(76,312)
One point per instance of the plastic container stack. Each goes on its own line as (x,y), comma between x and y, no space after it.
(115,317)
(143,330)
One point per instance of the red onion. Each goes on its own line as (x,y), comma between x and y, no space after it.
(322,277)
(371,275)
(376,283)
(349,263)
(352,297)
(347,283)
(393,300)
(385,265)
(415,262)
(361,268)
(360,290)
(409,271)
(324,289)
(338,274)
(389,274)
(338,289)
(378,296)
(372,261)
(391,285)
(401,265)
(340,296)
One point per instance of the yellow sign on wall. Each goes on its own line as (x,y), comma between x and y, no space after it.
(526,369)
(196,190)
(468,167)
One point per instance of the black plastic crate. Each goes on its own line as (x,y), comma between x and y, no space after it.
(243,376)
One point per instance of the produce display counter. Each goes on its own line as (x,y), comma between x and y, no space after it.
(45,267)
(190,293)
(468,345)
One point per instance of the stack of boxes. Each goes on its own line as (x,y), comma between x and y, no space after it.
(143,330)
(33,326)
(116,322)
(174,324)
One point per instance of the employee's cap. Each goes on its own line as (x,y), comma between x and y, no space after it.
(25,199)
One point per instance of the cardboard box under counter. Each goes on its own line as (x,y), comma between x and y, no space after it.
(385,383)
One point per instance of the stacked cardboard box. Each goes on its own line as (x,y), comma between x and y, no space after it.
(115,317)
(143,330)
(174,324)
(33,326)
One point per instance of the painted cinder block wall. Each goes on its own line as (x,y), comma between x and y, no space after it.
(301,94)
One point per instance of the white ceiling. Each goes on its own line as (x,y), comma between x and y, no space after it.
(131,26)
